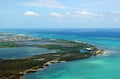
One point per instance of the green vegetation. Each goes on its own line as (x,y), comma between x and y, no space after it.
(14,67)
(66,51)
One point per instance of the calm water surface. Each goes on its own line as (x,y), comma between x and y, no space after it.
(20,52)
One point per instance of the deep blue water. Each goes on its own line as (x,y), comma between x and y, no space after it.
(112,33)
(100,67)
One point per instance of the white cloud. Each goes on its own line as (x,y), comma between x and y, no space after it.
(76,14)
(82,14)
(87,14)
(31,13)
(55,14)
(45,3)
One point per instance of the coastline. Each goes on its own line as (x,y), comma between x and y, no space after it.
(68,51)
(40,68)
(48,64)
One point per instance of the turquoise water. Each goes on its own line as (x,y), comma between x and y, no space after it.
(93,68)
(100,67)
(21,52)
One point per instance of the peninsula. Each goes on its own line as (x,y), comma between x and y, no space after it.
(65,50)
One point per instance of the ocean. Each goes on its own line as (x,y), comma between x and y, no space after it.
(100,67)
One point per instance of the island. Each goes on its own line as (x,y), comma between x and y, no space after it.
(65,50)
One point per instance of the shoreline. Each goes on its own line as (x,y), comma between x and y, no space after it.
(68,50)
(48,64)
(40,68)
(32,70)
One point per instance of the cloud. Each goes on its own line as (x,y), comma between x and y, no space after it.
(45,3)
(84,14)
(31,13)
(76,14)
(55,14)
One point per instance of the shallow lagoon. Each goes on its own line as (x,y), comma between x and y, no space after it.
(20,52)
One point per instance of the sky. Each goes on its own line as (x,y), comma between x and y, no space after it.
(59,13)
